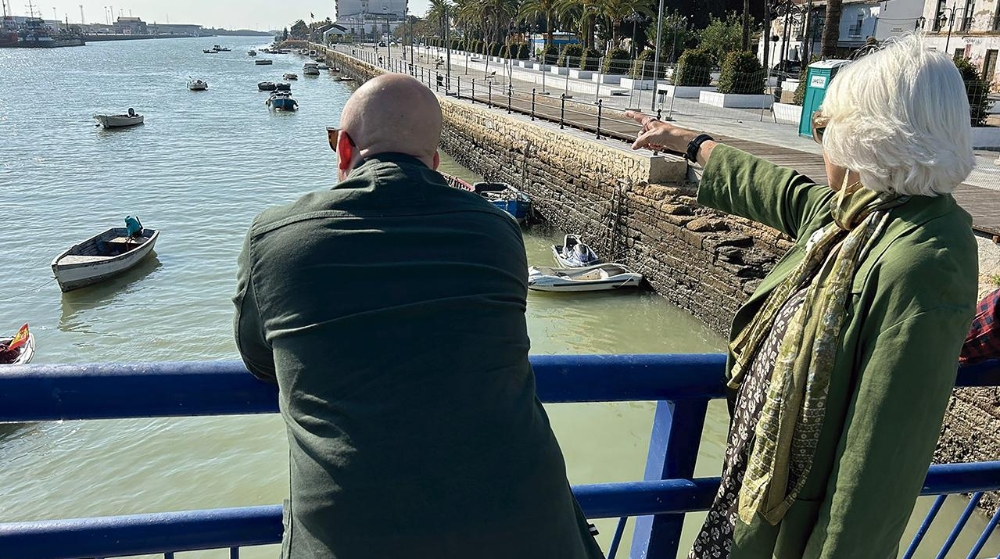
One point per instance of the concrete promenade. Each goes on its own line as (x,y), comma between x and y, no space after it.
(752,130)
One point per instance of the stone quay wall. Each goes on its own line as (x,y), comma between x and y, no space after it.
(701,260)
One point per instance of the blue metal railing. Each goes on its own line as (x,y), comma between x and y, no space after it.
(681,385)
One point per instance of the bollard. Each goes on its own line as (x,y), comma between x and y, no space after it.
(473,91)
(532,103)
(510,93)
(562,111)
(659,113)
(600,106)
(489,98)
(459,82)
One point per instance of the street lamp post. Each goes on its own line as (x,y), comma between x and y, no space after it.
(656,57)
(673,48)
(951,23)
(635,18)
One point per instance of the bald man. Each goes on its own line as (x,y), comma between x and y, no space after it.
(390,312)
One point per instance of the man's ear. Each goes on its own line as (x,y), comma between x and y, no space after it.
(437,160)
(345,151)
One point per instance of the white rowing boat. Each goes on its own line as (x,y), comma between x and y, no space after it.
(102,257)
(132,118)
(601,277)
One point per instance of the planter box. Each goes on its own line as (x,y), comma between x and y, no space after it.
(542,67)
(682,91)
(985,137)
(790,85)
(787,114)
(580,74)
(731,101)
(559,70)
(610,79)
(525,64)
(636,84)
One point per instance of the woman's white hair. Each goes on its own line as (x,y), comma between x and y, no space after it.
(900,118)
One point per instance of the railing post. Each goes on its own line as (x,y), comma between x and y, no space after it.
(532,103)
(562,111)
(489,98)
(672,455)
(459,82)
(473,91)
(600,105)
(510,93)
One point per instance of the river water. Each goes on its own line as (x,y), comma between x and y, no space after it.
(199,169)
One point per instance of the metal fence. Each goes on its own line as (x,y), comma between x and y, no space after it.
(682,386)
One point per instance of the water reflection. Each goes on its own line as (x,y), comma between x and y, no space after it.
(104,293)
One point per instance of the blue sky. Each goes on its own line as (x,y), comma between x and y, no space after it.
(249,14)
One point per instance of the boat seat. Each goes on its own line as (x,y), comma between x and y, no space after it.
(80,259)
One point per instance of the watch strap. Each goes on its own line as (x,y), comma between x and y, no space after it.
(695,146)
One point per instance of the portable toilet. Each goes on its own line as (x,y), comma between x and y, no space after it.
(818,78)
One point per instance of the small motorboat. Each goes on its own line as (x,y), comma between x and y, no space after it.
(263,62)
(217,48)
(283,87)
(266,86)
(334,68)
(282,101)
(345,79)
(252,53)
(120,121)
(602,277)
(573,253)
(505,197)
(210,51)
(310,69)
(290,77)
(17,350)
(197,85)
(104,255)
(322,66)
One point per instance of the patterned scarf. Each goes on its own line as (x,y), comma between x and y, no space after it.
(788,431)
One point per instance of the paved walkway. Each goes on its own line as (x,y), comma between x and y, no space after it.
(753,131)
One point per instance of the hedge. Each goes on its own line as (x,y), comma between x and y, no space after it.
(742,74)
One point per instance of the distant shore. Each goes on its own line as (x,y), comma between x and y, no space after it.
(107,37)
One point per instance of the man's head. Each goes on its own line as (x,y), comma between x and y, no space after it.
(392,113)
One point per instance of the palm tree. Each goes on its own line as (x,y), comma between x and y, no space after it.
(617,10)
(544,8)
(584,13)
(831,30)
(439,14)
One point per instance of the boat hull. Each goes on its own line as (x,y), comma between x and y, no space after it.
(119,121)
(590,278)
(284,104)
(76,274)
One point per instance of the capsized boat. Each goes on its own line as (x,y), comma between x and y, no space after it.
(602,277)
(574,253)
(197,85)
(323,66)
(103,256)
(283,87)
(120,121)
(310,69)
(282,101)
(252,53)
(17,350)
(290,77)
(263,62)
(266,86)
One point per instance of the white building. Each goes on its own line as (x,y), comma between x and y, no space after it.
(966,28)
(859,21)
(371,18)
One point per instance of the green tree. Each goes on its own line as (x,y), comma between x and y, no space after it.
(742,74)
(545,8)
(721,36)
(676,35)
(616,11)
(583,15)
(977,89)
(284,34)
(299,30)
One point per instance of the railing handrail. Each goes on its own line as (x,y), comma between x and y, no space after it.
(179,389)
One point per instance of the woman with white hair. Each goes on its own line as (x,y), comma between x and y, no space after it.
(841,364)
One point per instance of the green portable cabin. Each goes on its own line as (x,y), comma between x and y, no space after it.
(818,77)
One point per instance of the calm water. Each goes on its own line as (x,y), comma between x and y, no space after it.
(199,169)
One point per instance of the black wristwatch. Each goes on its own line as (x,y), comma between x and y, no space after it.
(695,146)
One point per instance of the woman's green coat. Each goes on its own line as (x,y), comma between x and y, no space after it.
(910,308)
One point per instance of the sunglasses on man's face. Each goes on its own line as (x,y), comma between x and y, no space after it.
(331,136)
(819,123)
